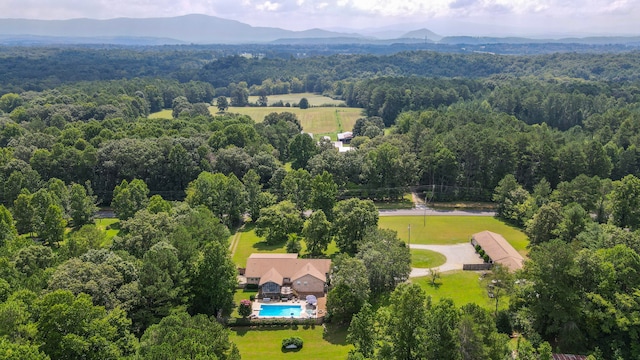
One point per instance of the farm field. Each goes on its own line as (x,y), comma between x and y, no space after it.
(462,287)
(452,229)
(319,121)
(314,99)
(266,343)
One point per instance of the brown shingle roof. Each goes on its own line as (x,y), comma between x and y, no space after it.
(499,250)
(271,276)
(265,266)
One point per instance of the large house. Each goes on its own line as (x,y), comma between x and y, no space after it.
(498,249)
(281,275)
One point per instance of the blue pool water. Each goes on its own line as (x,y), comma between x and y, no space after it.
(280,310)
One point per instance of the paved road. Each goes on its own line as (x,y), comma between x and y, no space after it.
(421,211)
(456,255)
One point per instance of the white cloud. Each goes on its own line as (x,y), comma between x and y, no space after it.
(268,6)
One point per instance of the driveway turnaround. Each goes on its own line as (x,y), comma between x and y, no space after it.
(457,255)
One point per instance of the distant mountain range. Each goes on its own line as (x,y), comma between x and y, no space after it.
(203,29)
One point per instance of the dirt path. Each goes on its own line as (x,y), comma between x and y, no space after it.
(456,255)
(234,242)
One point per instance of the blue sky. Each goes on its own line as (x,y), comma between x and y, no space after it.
(448,17)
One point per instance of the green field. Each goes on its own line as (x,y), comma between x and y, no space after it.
(249,243)
(426,259)
(319,121)
(314,99)
(452,229)
(462,287)
(266,343)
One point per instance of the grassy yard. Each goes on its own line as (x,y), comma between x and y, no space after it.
(426,259)
(314,99)
(452,229)
(111,226)
(250,243)
(462,287)
(266,343)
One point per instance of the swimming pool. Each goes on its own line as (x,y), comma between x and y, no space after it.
(275,310)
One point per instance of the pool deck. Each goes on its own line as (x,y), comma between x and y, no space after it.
(318,310)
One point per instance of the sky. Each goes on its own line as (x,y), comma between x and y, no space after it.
(446,17)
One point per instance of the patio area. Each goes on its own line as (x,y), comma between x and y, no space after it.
(311,307)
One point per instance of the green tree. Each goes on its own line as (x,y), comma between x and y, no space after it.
(386,258)
(82,206)
(214,281)
(352,218)
(157,204)
(499,283)
(293,245)
(297,188)
(513,201)
(304,103)
(162,283)
(71,327)
(574,221)
(222,103)
(324,192)
(23,212)
(251,181)
(54,225)
(23,351)
(7,228)
(442,341)
(362,332)
(9,102)
(128,198)
(542,227)
(405,327)
(317,233)
(276,222)
(625,202)
(180,336)
(225,196)
(302,148)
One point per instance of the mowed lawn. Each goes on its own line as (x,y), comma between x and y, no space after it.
(462,287)
(426,259)
(249,243)
(451,229)
(267,343)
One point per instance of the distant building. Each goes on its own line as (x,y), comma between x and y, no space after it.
(568,357)
(345,137)
(278,274)
(498,249)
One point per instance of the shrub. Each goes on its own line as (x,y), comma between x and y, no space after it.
(245,308)
(486,258)
(503,323)
(478,248)
(251,287)
(294,340)
(252,298)
(481,252)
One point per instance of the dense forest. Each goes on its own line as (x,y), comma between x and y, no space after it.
(553,140)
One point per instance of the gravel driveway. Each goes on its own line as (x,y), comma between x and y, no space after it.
(456,255)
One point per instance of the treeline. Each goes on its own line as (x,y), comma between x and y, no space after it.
(37,69)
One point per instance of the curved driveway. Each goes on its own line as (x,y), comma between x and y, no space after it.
(457,255)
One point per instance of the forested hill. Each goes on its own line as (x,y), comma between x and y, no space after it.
(23,69)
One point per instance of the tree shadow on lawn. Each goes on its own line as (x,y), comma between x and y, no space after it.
(263,246)
(335,334)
